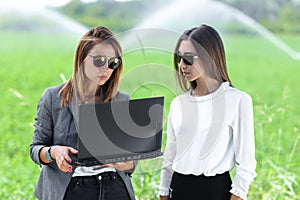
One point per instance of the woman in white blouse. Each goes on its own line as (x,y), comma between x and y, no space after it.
(210,126)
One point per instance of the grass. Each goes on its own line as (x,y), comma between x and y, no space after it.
(30,62)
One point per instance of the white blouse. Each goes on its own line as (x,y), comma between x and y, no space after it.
(210,135)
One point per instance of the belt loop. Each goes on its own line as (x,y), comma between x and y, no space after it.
(114,175)
(99,177)
(78,181)
(81,181)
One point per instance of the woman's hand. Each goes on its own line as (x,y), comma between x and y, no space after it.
(234,197)
(121,166)
(163,197)
(61,155)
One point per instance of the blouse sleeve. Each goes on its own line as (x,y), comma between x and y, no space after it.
(43,127)
(244,147)
(169,154)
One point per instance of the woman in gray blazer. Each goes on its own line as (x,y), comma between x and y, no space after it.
(97,69)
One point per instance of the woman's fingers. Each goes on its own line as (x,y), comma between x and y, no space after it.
(163,197)
(121,165)
(61,155)
(63,160)
(72,151)
(63,164)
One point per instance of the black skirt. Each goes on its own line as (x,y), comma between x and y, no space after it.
(200,187)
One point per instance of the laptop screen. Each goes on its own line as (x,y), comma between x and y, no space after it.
(120,128)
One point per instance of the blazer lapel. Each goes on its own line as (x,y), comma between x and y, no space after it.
(73,107)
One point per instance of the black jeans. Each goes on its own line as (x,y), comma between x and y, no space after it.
(104,186)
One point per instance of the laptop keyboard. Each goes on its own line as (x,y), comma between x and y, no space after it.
(122,159)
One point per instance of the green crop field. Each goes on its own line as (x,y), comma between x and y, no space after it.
(30,62)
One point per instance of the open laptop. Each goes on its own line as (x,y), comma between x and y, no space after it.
(120,131)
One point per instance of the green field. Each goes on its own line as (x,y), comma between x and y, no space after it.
(31,62)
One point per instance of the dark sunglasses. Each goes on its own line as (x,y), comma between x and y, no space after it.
(188,59)
(100,61)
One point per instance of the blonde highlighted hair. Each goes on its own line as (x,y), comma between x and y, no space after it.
(74,86)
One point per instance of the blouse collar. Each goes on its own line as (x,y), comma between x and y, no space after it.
(210,96)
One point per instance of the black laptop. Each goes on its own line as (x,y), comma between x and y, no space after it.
(120,131)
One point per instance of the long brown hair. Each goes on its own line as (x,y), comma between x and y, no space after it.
(210,50)
(74,86)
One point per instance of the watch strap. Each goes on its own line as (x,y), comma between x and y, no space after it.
(48,155)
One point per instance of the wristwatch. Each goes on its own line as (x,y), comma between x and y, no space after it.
(48,155)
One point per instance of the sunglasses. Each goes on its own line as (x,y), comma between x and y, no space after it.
(100,61)
(187,59)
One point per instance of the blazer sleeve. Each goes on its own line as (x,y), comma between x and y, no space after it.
(43,127)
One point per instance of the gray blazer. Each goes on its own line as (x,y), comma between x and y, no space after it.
(57,126)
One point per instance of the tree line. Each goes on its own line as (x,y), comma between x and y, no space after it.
(279,16)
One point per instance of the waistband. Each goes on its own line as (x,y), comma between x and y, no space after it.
(105,176)
(224,174)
